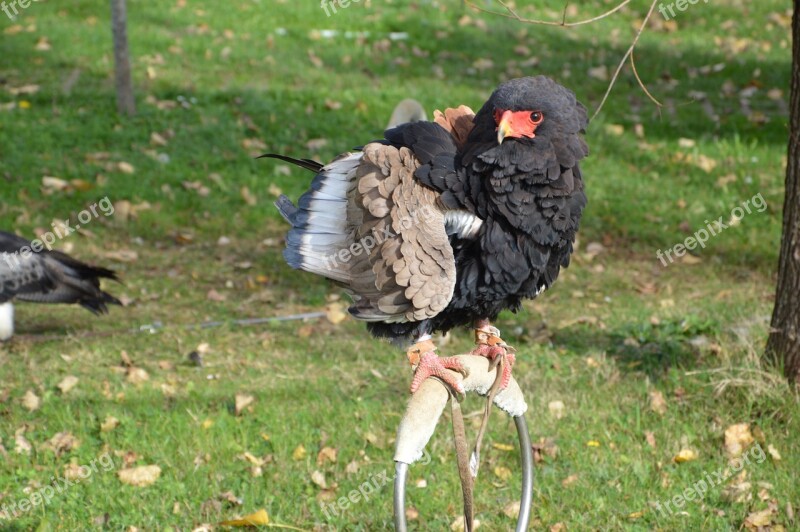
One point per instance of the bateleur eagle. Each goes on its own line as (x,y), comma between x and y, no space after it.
(46,277)
(447,223)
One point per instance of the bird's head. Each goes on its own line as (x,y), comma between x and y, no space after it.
(526,108)
(528,126)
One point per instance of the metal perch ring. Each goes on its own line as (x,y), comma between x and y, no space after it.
(423,413)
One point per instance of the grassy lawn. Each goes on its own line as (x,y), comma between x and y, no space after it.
(195,239)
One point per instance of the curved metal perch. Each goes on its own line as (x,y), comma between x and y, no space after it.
(423,413)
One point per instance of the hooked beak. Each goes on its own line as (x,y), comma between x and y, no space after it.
(504,128)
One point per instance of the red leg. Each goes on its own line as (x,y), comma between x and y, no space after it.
(427,363)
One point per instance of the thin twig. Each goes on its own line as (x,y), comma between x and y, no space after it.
(513,14)
(642,85)
(625,58)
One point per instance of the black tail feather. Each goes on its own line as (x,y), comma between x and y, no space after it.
(308,164)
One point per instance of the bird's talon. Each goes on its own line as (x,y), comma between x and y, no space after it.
(430,365)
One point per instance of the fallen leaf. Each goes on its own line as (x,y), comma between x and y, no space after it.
(125,167)
(773,453)
(512,509)
(458,524)
(758,519)
(299,453)
(109,424)
(326,454)
(137,376)
(556,409)
(572,479)
(243,400)
(503,446)
(335,313)
(21,443)
(593,443)
(140,476)
(254,519)
(685,455)
(67,383)
(62,442)
(657,402)
(737,438)
(650,438)
(502,472)
(31,401)
(248,197)
(318,478)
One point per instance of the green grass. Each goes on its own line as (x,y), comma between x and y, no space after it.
(228,82)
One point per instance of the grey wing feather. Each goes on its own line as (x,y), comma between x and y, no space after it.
(50,277)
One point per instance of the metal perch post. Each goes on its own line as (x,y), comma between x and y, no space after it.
(423,413)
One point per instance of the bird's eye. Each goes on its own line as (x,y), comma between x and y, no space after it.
(537,117)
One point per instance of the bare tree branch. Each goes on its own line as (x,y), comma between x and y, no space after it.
(625,58)
(513,14)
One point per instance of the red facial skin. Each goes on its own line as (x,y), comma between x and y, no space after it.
(517,124)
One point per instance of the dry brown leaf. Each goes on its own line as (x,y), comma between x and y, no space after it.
(21,443)
(248,197)
(556,409)
(242,401)
(657,402)
(67,383)
(215,296)
(62,442)
(335,313)
(737,438)
(140,476)
(512,509)
(137,376)
(458,524)
(773,453)
(757,520)
(109,424)
(31,401)
(572,479)
(125,167)
(299,453)
(650,438)
(685,455)
(327,454)
(318,478)
(502,472)
(255,519)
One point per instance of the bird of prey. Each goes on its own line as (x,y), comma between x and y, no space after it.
(46,277)
(447,223)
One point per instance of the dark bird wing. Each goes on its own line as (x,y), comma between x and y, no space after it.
(50,277)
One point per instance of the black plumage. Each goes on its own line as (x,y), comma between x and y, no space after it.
(526,191)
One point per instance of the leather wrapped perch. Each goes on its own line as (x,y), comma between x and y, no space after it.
(423,413)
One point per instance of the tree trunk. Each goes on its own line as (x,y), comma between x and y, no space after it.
(126,104)
(783,346)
